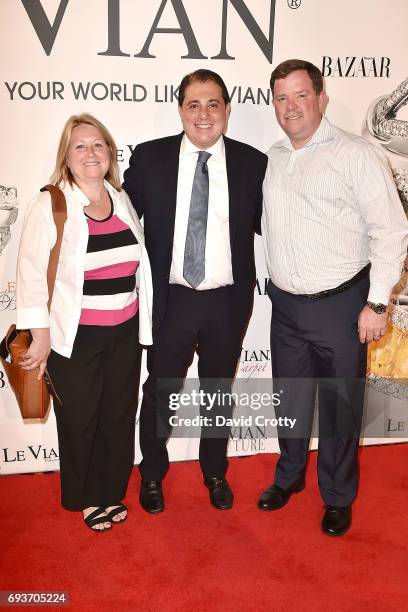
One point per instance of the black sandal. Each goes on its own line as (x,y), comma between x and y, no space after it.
(110,515)
(94,519)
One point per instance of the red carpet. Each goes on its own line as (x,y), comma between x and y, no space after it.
(193,557)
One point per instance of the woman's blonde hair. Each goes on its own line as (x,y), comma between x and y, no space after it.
(62,174)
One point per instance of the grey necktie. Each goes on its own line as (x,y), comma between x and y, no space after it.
(194,251)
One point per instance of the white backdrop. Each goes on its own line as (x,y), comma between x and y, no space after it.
(122,60)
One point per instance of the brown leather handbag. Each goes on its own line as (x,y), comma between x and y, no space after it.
(33,395)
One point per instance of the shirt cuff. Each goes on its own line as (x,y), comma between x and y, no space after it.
(379,294)
(29,318)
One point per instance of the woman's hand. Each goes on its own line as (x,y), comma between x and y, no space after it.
(36,356)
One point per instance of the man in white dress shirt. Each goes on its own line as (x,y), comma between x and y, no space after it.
(335,238)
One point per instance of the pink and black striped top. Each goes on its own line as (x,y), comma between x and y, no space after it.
(111,261)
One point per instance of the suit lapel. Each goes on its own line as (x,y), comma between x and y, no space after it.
(234,191)
(168,176)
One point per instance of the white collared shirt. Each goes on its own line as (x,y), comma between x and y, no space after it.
(218,266)
(330,208)
(37,239)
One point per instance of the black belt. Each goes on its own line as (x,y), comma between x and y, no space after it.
(348,283)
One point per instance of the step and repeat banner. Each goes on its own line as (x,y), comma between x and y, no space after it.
(122,60)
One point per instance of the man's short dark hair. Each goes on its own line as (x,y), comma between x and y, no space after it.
(202,76)
(287,67)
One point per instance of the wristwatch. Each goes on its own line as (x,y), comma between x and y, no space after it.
(377,308)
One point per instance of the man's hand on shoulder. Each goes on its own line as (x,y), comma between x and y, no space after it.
(371,326)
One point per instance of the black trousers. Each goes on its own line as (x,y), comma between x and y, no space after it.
(310,340)
(98,387)
(202,321)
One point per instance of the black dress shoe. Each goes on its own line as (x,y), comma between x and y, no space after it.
(336,520)
(221,495)
(151,496)
(275,497)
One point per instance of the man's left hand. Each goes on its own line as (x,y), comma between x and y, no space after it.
(371,326)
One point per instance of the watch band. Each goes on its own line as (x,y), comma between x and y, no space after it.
(377,308)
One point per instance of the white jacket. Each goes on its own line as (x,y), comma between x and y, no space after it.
(38,237)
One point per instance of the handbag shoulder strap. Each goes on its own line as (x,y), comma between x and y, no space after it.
(59,213)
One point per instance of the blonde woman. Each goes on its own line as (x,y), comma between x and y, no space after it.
(89,339)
